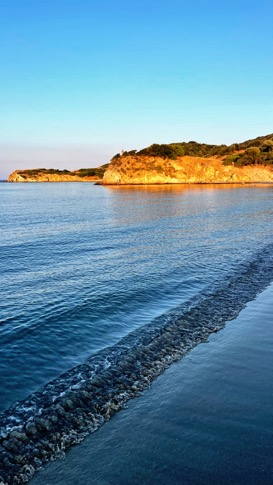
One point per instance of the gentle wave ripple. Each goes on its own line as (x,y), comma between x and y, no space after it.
(82,266)
(77,403)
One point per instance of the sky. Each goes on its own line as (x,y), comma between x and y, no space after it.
(80,80)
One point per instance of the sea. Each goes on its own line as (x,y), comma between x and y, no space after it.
(102,283)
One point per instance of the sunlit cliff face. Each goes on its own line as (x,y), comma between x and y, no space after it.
(21,176)
(155,170)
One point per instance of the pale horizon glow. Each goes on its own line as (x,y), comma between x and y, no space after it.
(80,80)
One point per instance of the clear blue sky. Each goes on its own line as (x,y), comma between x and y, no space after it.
(80,80)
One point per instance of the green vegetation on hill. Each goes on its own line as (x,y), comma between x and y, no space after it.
(92,172)
(83,172)
(36,171)
(257,151)
(254,155)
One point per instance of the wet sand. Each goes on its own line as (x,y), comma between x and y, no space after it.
(206,420)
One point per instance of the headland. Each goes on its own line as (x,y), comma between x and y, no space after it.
(55,175)
(192,162)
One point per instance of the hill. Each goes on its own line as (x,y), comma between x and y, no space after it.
(55,175)
(193,162)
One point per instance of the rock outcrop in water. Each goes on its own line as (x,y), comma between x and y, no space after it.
(21,176)
(54,175)
(142,169)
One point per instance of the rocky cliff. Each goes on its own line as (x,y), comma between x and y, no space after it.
(51,175)
(19,176)
(139,169)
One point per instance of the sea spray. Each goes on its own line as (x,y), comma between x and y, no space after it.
(77,403)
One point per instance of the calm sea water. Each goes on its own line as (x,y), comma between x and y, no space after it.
(83,265)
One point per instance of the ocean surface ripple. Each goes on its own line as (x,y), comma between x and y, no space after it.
(126,281)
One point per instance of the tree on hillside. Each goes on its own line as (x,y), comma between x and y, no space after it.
(251,156)
(267,146)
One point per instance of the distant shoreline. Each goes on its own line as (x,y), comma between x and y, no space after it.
(250,162)
(152,184)
(51,181)
(182,183)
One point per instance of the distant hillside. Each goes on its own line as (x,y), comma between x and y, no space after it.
(193,162)
(55,175)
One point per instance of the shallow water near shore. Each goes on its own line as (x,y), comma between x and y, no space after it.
(206,420)
(83,267)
